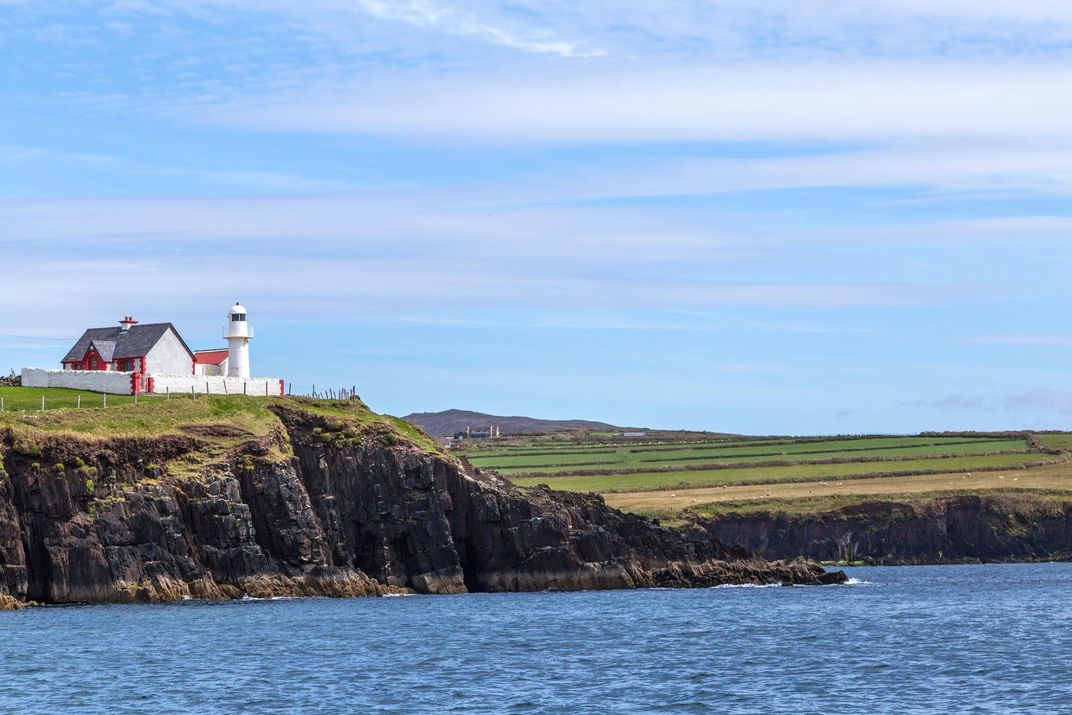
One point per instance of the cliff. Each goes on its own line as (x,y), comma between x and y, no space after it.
(1012,526)
(224,497)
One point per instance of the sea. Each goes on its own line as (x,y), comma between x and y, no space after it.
(926,639)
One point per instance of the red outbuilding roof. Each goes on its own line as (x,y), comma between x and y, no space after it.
(210,357)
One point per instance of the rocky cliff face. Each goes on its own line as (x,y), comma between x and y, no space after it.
(317,507)
(1007,527)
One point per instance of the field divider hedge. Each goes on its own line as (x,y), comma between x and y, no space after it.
(752,465)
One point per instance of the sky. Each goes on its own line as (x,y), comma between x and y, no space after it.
(787,217)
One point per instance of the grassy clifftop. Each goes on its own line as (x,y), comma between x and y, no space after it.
(216,424)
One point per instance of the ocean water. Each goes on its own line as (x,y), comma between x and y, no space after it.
(992,638)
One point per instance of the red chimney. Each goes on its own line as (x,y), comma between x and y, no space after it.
(127,321)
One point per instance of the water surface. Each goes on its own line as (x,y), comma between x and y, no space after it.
(907,639)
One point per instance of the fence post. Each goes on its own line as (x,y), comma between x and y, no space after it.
(167,391)
(78,403)
(135,398)
(42,403)
(1,404)
(105,399)
(193,395)
(245,387)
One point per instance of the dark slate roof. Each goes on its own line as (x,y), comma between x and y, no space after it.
(105,348)
(136,341)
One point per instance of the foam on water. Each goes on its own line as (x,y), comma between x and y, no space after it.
(749,585)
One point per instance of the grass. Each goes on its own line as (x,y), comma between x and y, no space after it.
(675,477)
(1056,440)
(1050,478)
(818,506)
(220,423)
(28,399)
(796,472)
(825,451)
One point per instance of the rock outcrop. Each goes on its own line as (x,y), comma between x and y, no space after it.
(949,529)
(320,506)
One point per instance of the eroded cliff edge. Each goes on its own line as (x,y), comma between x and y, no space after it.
(1012,526)
(225,497)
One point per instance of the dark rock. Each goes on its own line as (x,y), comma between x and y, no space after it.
(340,515)
(954,529)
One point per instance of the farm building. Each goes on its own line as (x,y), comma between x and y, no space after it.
(132,358)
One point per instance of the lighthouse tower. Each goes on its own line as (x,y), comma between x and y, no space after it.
(238,334)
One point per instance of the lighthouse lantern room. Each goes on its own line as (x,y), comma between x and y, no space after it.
(238,334)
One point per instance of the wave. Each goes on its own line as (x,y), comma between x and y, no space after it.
(750,585)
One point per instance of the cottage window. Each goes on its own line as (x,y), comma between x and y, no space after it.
(93,363)
(238,317)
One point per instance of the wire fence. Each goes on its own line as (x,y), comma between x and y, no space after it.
(12,401)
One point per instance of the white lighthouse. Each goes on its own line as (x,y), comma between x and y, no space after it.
(238,334)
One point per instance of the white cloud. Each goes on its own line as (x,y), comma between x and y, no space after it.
(628,28)
(837,103)
(450,19)
(401,254)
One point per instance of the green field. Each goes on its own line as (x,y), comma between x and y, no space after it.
(634,460)
(1056,440)
(28,399)
(665,461)
(798,472)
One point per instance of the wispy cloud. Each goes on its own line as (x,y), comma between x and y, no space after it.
(239,179)
(448,18)
(1026,340)
(836,102)
(401,253)
(1029,404)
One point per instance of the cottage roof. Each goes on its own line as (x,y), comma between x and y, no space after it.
(135,341)
(104,348)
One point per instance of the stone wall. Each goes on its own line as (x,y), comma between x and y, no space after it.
(114,383)
(217,385)
(118,383)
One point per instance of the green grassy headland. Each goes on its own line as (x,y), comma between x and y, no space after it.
(668,473)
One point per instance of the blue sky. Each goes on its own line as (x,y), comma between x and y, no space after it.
(779,217)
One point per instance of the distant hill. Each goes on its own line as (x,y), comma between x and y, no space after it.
(451,421)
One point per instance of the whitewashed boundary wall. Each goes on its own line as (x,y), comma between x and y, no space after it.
(114,383)
(120,383)
(216,385)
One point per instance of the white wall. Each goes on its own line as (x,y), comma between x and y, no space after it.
(114,383)
(217,385)
(118,383)
(169,356)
